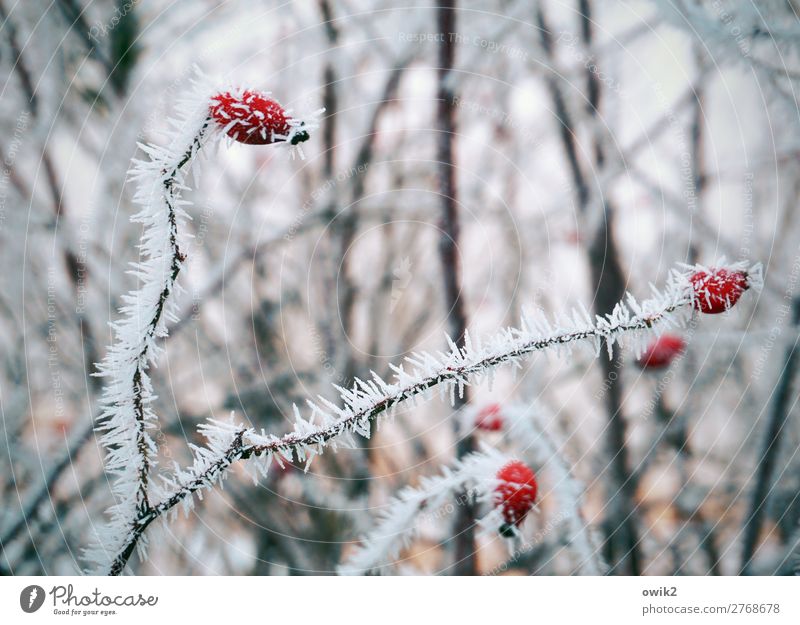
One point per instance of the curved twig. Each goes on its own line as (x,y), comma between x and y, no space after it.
(367,401)
(126,414)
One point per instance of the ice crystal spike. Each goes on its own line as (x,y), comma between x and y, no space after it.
(128,415)
(475,473)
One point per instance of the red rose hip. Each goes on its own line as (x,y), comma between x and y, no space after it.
(255,118)
(515,495)
(717,290)
(661,352)
(490,418)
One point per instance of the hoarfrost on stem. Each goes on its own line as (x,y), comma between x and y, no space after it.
(475,473)
(128,395)
(367,401)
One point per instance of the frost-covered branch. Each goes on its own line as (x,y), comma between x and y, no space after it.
(474,477)
(530,434)
(128,393)
(367,401)
(247,116)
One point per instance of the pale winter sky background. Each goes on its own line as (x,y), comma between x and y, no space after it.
(595,146)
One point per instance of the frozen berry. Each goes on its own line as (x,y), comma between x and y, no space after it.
(717,290)
(515,495)
(489,418)
(254,118)
(661,352)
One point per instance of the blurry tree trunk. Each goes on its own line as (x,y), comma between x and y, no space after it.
(332,339)
(464,538)
(609,284)
(363,159)
(608,287)
(782,404)
(608,280)
(77,274)
(20,67)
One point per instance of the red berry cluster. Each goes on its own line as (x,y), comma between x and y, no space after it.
(661,352)
(489,418)
(256,119)
(717,290)
(515,495)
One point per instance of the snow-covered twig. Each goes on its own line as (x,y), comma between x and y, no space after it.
(525,427)
(207,112)
(475,475)
(128,393)
(451,371)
